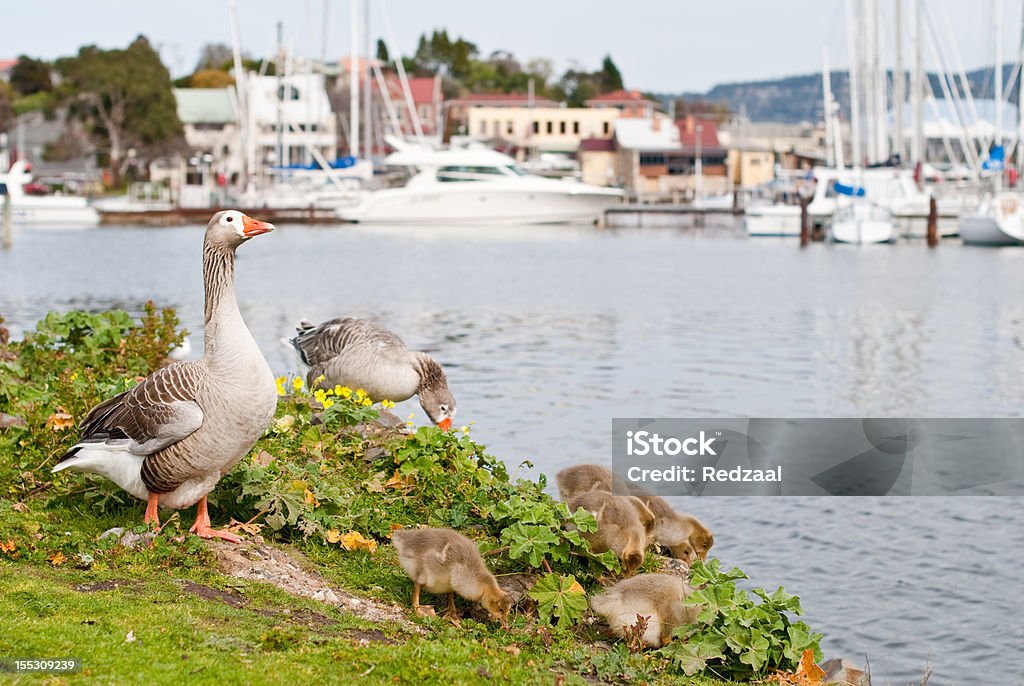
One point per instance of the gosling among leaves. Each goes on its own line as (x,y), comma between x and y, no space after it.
(582,478)
(659,597)
(361,354)
(445,561)
(685,536)
(624,525)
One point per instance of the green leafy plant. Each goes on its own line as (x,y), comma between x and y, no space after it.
(559,596)
(733,634)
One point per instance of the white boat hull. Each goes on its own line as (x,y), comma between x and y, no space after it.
(997,221)
(861,223)
(474,203)
(53,211)
(862,231)
(980,229)
(772,220)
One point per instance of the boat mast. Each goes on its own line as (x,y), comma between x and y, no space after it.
(899,141)
(917,151)
(279,70)
(241,86)
(353,81)
(826,91)
(368,91)
(997,17)
(851,37)
(1020,104)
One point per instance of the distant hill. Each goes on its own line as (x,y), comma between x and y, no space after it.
(794,99)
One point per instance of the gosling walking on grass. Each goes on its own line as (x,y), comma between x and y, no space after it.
(445,561)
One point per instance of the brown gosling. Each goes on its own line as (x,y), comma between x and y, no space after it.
(445,561)
(684,535)
(659,597)
(581,478)
(624,525)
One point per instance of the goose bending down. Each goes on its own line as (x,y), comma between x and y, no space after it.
(171,438)
(361,354)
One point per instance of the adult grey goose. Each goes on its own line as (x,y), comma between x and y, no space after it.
(171,438)
(359,353)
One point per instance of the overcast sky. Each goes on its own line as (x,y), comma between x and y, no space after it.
(659,45)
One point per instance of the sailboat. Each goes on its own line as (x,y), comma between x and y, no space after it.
(999,218)
(858,218)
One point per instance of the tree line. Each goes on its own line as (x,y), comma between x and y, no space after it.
(120,102)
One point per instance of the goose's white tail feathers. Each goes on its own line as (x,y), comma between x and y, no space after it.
(290,344)
(111,461)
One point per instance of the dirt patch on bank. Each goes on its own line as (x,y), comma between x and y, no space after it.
(256,561)
(207,593)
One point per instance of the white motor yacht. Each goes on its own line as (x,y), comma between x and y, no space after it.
(43,210)
(478,186)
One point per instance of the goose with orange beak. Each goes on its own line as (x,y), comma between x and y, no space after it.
(358,353)
(171,438)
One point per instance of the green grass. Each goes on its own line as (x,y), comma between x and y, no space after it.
(270,638)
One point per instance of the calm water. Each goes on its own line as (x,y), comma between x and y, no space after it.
(547,333)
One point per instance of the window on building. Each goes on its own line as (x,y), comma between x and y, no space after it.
(576,127)
(510,129)
(536,127)
(652,159)
(551,127)
(679,166)
(606,128)
(561,127)
(288,93)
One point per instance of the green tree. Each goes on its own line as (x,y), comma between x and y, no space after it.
(211,78)
(609,78)
(382,52)
(30,76)
(124,98)
(6,109)
(215,56)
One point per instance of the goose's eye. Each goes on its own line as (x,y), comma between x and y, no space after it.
(231,219)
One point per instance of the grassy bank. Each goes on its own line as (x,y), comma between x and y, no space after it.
(317,498)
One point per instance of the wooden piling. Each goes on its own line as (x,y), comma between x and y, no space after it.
(933,222)
(7,222)
(805,224)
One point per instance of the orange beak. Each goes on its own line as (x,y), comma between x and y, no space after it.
(446,423)
(254,227)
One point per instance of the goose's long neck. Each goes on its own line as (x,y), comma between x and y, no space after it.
(221,315)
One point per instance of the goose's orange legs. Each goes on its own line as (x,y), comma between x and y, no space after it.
(202,526)
(152,516)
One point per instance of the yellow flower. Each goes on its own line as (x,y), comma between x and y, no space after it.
(360,394)
(465,429)
(297,383)
(280,384)
(74,375)
(318,379)
(387,403)
(343,391)
(367,402)
(320,395)
(327,403)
